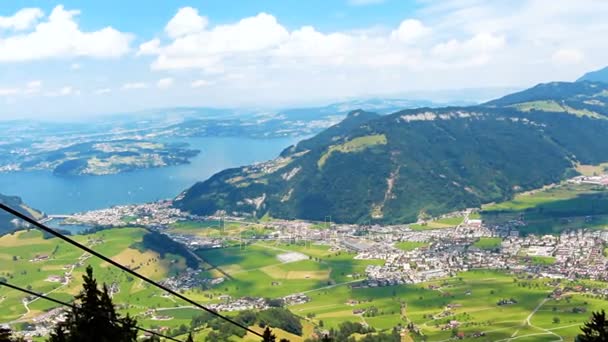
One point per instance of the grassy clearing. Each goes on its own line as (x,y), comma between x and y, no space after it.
(542,260)
(355,145)
(546,106)
(410,245)
(591,170)
(488,243)
(438,224)
(452,221)
(211,228)
(553,106)
(475,216)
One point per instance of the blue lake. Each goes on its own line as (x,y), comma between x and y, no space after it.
(64,195)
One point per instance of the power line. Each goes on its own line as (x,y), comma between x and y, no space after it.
(39,295)
(126,269)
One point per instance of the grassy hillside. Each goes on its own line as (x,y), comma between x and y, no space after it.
(554,209)
(19,266)
(417,162)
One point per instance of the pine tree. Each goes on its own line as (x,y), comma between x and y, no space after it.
(327,338)
(6,335)
(94,318)
(596,330)
(190,339)
(268,336)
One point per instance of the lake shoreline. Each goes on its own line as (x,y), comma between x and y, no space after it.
(54,194)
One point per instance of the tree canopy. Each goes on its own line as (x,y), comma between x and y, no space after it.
(94,317)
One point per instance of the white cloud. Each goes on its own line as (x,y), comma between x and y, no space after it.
(186,21)
(33,87)
(567,56)
(59,37)
(200,83)
(64,91)
(410,30)
(164,83)
(22,20)
(364,2)
(447,44)
(134,85)
(30,87)
(9,91)
(260,44)
(34,84)
(151,47)
(207,49)
(474,51)
(103,91)
(75,66)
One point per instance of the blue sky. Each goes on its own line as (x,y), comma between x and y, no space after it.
(77,58)
(153,15)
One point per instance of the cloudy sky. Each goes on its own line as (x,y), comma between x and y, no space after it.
(77,58)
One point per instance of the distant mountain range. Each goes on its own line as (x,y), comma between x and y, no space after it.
(254,123)
(600,75)
(125,142)
(419,162)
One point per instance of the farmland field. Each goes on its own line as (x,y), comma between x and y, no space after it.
(471,299)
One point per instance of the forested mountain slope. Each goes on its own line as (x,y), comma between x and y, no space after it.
(8,222)
(423,161)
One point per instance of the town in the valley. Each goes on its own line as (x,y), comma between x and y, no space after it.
(433,253)
(444,251)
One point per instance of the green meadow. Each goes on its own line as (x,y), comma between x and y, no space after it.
(470,298)
(255,270)
(448,222)
(488,243)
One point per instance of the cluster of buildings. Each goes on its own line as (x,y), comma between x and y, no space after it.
(196,241)
(156,214)
(594,180)
(571,255)
(190,279)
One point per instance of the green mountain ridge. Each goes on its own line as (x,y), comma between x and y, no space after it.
(8,222)
(600,75)
(417,162)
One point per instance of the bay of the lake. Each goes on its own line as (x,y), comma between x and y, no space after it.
(69,194)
